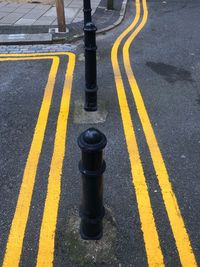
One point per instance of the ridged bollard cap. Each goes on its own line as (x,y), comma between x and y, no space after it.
(90,26)
(92,139)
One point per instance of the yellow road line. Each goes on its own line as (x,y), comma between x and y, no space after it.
(26,58)
(37,54)
(187,257)
(152,244)
(47,234)
(16,236)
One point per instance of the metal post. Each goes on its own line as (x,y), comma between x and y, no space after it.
(92,167)
(90,67)
(87,11)
(110,5)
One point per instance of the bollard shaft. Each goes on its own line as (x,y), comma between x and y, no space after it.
(90,70)
(92,196)
(87,11)
(90,67)
(110,5)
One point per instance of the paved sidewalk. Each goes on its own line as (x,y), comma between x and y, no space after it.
(35,23)
(38,14)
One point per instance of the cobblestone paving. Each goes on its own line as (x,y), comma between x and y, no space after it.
(23,49)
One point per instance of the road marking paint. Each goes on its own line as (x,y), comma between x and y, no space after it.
(37,54)
(27,58)
(47,234)
(151,240)
(186,254)
(16,236)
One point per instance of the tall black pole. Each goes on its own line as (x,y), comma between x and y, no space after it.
(90,67)
(87,11)
(110,5)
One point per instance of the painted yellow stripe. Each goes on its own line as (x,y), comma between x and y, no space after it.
(47,234)
(16,236)
(8,58)
(152,244)
(187,257)
(37,54)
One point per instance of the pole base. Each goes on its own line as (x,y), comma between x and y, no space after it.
(91,100)
(88,108)
(91,232)
(91,229)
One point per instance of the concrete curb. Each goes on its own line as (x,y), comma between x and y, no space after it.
(121,17)
(110,27)
(50,38)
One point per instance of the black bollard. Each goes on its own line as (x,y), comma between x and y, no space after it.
(87,11)
(90,67)
(110,5)
(92,167)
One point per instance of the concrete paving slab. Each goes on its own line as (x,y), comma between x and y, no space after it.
(24,21)
(29,6)
(36,12)
(39,7)
(32,15)
(3,4)
(3,14)
(69,12)
(8,9)
(77,20)
(79,14)
(74,4)
(79,17)
(22,10)
(44,21)
(13,5)
(51,12)
(67,2)
(11,18)
(54,22)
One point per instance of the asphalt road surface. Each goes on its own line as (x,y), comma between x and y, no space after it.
(148,79)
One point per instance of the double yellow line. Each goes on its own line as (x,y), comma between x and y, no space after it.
(150,234)
(19,222)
